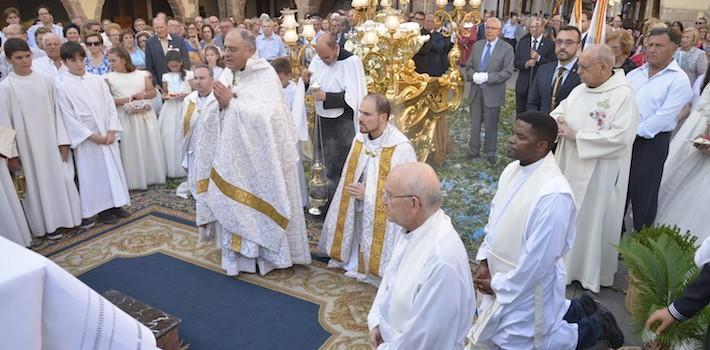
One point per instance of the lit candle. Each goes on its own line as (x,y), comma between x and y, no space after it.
(441,3)
(475,3)
(370,38)
(459,3)
(358,3)
(290,37)
(392,23)
(308,31)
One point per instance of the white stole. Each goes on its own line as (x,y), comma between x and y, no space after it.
(346,75)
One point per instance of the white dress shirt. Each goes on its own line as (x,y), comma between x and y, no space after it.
(659,98)
(270,47)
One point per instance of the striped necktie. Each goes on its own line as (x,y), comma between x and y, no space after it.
(556,86)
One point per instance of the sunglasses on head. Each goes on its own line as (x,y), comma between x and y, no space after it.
(93,43)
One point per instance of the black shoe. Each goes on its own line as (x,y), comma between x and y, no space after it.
(473,156)
(105,217)
(588,304)
(120,213)
(54,235)
(491,160)
(612,332)
(86,223)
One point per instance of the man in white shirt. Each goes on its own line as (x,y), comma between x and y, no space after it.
(662,89)
(51,64)
(426,299)
(269,45)
(47,21)
(510,29)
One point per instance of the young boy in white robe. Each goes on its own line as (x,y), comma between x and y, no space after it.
(295,97)
(92,124)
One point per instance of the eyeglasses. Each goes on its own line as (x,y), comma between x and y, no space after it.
(93,43)
(699,23)
(387,196)
(565,42)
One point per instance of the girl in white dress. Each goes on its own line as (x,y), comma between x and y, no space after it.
(176,85)
(140,146)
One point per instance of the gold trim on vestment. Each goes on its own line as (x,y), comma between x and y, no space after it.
(379,227)
(360,259)
(335,249)
(187,118)
(239,195)
(202,185)
(236,243)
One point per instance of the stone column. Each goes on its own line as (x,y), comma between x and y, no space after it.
(307,6)
(235,8)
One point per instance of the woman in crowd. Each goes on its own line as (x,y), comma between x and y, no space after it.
(96,62)
(141,39)
(693,61)
(213,59)
(10,16)
(141,148)
(128,43)
(677,25)
(72,33)
(113,33)
(620,42)
(466,41)
(192,43)
(176,85)
(207,36)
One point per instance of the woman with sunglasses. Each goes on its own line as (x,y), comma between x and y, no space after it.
(96,62)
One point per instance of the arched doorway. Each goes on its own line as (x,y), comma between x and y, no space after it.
(28,9)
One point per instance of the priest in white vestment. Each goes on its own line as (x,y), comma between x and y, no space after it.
(426,299)
(356,233)
(597,124)
(337,80)
(14,225)
(91,121)
(686,181)
(42,146)
(252,189)
(193,124)
(50,65)
(43,307)
(521,273)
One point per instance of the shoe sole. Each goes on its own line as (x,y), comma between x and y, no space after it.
(55,237)
(88,225)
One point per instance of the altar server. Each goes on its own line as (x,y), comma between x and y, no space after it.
(14,223)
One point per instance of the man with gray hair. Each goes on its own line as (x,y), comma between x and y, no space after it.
(426,298)
(250,188)
(50,65)
(597,125)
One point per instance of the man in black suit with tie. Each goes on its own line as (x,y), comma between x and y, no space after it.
(533,51)
(158,45)
(555,80)
(428,59)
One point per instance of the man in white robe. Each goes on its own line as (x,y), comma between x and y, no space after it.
(91,121)
(426,298)
(52,64)
(337,79)
(194,105)
(252,189)
(14,224)
(42,150)
(356,233)
(597,130)
(521,273)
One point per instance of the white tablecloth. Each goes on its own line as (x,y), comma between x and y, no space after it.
(42,306)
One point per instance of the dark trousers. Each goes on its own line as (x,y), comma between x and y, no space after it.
(520,101)
(590,328)
(512,42)
(338,134)
(647,160)
(488,117)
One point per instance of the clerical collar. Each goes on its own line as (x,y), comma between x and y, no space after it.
(344,54)
(425,226)
(532,166)
(208,95)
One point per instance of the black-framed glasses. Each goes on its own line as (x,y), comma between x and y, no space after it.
(93,43)
(699,23)
(387,196)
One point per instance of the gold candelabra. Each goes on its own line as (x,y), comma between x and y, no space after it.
(460,18)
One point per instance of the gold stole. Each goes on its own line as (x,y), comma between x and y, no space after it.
(188,118)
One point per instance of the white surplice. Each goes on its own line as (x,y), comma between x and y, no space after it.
(530,228)
(87,108)
(686,181)
(253,189)
(426,299)
(43,307)
(14,225)
(597,165)
(192,127)
(356,234)
(170,119)
(296,99)
(52,200)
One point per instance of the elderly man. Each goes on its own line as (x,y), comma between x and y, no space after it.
(597,125)
(426,299)
(521,271)
(47,21)
(158,45)
(138,25)
(342,87)
(268,44)
(16,31)
(428,59)
(533,51)
(174,27)
(356,233)
(488,68)
(52,64)
(662,89)
(337,29)
(224,27)
(251,186)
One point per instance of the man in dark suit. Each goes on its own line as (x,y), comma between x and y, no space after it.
(555,80)
(488,68)
(428,59)
(337,29)
(158,45)
(533,51)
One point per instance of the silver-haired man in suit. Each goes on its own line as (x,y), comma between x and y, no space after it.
(488,68)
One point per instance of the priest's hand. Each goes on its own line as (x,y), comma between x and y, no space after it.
(223,95)
(375,338)
(64,152)
(564,130)
(356,189)
(319,95)
(664,317)
(482,278)
(306,76)
(14,164)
